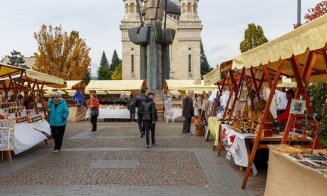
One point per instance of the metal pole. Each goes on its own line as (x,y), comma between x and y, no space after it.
(299,12)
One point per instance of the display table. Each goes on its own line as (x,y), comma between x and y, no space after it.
(108,113)
(213,129)
(28,135)
(288,177)
(236,143)
(77,114)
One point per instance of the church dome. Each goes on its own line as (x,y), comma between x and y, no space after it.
(173,8)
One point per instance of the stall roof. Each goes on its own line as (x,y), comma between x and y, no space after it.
(42,77)
(115,85)
(74,84)
(212,77)
(6,70)
(188,85)
(309,37)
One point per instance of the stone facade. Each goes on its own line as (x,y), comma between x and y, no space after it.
(185,50)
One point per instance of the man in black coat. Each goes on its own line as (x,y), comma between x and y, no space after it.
(150,117)
(138,103)
(188,112)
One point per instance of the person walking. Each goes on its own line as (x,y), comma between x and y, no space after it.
(93,105)
(131,108)
(150,117)
(58,114)
(138,103)
(188,112)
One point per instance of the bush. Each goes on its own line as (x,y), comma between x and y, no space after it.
(318,96)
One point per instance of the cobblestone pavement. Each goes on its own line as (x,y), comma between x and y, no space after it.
(114,162)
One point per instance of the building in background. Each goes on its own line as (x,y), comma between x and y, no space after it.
(29,61)
(185,51)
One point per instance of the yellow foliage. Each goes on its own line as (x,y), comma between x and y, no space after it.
(117,74)
(61,54)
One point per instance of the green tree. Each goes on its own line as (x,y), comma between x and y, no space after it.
(104,72)
(318,101)
(114,61)
(117,74)
(87,78)
(253,37)
(205,67)
(17,59)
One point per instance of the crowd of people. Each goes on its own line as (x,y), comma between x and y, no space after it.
(147,115)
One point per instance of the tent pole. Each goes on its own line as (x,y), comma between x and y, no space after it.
(259,133)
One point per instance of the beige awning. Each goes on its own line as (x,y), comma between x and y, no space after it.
(311,37)
(6,70)
(188,85)
(213,77)
(115,85)
(42,77)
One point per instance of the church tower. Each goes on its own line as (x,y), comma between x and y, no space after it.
(189,41)
(130,51)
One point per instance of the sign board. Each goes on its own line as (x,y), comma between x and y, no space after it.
(7,135)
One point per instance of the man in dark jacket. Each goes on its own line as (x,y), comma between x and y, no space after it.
(188,112)
(150,116)
(138,103)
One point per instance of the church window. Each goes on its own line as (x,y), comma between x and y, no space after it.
(189,63)
(189,7)
(132,63)
(132,7)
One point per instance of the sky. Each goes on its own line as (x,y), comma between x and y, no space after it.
(224,23)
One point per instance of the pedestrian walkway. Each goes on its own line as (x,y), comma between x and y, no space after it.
(114,162)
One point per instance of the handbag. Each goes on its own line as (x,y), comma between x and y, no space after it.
(94,112)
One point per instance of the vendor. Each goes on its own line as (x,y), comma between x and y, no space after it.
(290,94)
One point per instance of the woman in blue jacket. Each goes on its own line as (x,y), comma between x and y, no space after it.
(58,114)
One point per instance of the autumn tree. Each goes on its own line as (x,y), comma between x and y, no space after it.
(253,37)
(319,10)
(104,72)
(61,54)
(205,67)
(114,61)
(17,59)
(117,74)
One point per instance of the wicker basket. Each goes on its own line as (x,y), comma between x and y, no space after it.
(199,130)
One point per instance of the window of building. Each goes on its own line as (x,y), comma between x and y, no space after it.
(132,63)
(189,63)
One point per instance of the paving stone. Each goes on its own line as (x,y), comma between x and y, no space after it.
(114,162)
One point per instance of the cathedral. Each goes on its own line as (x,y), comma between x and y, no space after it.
(182,15)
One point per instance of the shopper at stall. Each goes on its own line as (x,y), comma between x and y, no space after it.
(93,105)
(188,112)
(58,114)
(131,108)
(150,117)
(79,98)
(138,103)
(290,94)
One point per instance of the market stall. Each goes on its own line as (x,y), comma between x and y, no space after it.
(296,171)
(182,86)
(30,127)
(115,109)
(301,55)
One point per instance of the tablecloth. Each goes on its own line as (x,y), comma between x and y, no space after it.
(26,137)
(287,177)
(235,144)
(213,128)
